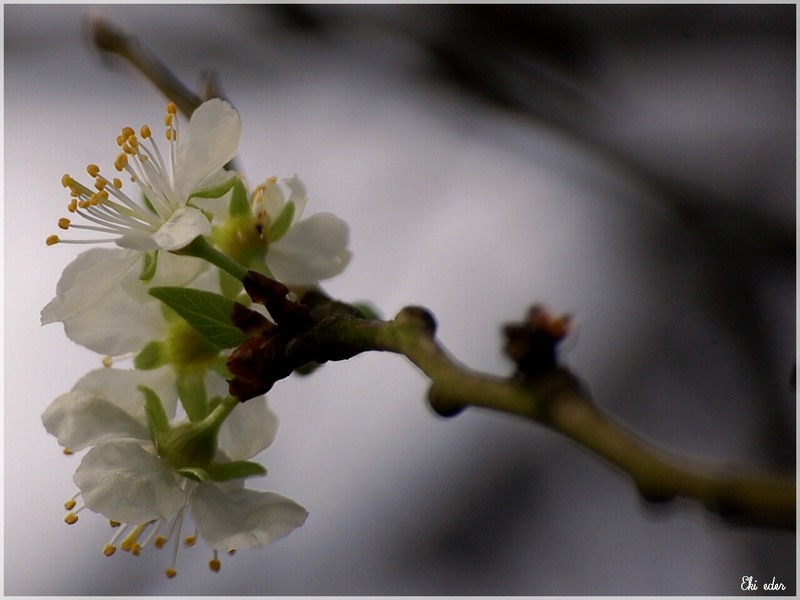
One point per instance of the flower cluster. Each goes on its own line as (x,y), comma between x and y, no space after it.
(166,443)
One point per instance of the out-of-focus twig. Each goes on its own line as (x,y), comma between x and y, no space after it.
(110,38)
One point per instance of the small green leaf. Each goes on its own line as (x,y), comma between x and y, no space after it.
(237,469)
(280,225)
(157,421)
(191,386)
(240,203)
(217,191)
(195,473)
(149,264)
(208,313)
(152,356)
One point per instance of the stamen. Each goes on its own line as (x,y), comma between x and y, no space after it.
(67,451)
(108,361)
(170,573)
(110,547)
(214,564)
(52,240)
(63,223)
(131,541)
(93,170)
(70,504)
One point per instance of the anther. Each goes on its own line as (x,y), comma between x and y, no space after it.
(172,108)
(108,361)
(73,205)
(117,183)
(67,452)
(170,572)
(145,132)
(71,518)
(190,540)
(121,162)
(159,542)
(93,170)
(108,549)
(114,523)
(63,223)
(52,240)
(128,132)
(214,564)
(66,180)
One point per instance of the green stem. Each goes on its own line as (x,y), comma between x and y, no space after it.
(200,248)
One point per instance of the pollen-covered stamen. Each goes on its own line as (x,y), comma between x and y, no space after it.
(72,502)
(111,547)
(72,516)
(215,564)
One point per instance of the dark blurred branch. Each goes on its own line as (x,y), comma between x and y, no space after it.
(319,329)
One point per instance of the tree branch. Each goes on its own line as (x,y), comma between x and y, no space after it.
(553,397)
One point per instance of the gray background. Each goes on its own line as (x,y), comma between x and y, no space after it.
(632,165)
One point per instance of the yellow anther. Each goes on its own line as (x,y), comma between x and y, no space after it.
(93,170)
(66,180)
(68,452)
(73,205)
(52,240)
(107,361)
(137,548)
(71,518)
(168,120)
(145,132)
(131,542)
(159,541)
(171,135)
(117,183)
(114,523)
(170,572)
(214,564)
(121,162)
(84,204)
(172,108)
(108,550)
(190,540)
(63,223)
(100,184)
(70,504)
(128,132)
(120,140)
(95,199)
(271,181)
(232,551)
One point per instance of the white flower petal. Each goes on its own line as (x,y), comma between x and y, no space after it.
(209,141)
(118,324)
(242,518)
(298,195)
(81,419)
(106,404)
(124,482)
(87,280)
(312,250)
(182,227)
(248,430)
(121,387)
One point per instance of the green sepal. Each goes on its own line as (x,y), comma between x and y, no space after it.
(217,191)
(240,202)
(152,356)
(367,310)
(208,313)
(229,285)
(191,386)
(146,201)
(149,265)
(157,421)
(237,469)
(278,228)
(195,473)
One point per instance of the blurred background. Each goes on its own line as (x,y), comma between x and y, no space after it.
(632,165)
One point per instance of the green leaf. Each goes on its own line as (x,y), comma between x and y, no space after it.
(217,191)
(237,469)
(152,356)
(240,203)
(191,386)
(157,421)
(208,313)
(149,264)
(280,225)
